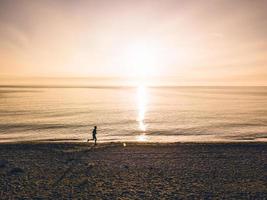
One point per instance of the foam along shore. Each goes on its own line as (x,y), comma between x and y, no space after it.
(132,171)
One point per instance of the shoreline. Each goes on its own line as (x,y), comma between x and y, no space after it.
(73,142)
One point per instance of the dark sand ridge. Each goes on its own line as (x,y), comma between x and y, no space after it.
(137,171)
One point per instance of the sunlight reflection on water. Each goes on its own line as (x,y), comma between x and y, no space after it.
(142,100)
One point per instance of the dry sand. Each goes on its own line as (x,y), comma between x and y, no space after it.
(137,171)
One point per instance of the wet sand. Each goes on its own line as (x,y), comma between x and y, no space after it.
(137,171)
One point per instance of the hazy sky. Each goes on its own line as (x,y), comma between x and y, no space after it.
(201,41)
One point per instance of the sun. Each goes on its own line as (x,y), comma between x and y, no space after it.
(141,59)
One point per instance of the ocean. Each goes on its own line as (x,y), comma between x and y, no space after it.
(149,114)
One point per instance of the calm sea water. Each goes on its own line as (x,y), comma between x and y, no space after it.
(158,114)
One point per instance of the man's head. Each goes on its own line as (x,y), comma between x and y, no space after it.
(95,127)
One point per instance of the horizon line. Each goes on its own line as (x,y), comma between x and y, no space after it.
(123,86)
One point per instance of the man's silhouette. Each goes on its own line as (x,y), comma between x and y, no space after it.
(94,135)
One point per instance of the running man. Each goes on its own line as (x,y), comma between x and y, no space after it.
(94,135)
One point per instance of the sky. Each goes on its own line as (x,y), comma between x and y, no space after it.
(200,42)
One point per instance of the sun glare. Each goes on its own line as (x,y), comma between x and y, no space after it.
(141,60)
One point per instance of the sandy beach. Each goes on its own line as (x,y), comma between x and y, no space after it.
(136,171)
